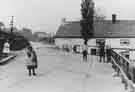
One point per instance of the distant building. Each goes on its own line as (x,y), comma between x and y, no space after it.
(41,34)
(6,47)
(118,34)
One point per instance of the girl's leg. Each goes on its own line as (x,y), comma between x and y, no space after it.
(33,70)
(100,58)
(83,58)
(29,69)
(86,57)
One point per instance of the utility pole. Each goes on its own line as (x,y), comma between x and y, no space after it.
(12,24)
(11,38)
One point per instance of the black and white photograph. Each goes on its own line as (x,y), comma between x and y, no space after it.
(67,46)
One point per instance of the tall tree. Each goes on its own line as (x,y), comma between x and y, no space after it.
(87,11)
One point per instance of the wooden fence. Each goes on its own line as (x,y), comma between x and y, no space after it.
(124,68)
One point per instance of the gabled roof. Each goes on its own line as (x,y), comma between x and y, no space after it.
(104,29)
(69,30)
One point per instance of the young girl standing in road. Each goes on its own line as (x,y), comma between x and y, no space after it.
(31,60)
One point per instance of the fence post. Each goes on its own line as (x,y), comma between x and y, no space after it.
(118,62)
(133,75)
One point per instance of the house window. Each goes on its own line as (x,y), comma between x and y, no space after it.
(100,41)
(78,49)
(124,41)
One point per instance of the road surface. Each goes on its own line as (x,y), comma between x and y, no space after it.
(59,72)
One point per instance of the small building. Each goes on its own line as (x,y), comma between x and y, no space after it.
(41,34)
(118,34)
(6,47)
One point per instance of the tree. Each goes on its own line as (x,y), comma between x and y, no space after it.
(87,11)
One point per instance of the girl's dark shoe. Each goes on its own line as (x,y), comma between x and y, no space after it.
(34,74)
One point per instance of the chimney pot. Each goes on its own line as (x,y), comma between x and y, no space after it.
(113,18)
(63,20)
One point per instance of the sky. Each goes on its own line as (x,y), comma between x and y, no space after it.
(46,15)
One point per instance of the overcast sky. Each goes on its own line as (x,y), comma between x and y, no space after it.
(46,15)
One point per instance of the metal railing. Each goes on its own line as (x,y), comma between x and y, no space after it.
(124,68)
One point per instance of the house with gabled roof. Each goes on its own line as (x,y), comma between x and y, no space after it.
(118,34)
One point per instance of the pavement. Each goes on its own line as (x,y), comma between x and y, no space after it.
(7,59)
(59,71)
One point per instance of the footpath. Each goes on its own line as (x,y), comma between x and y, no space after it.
(7,58)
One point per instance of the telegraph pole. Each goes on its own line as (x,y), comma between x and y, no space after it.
(11,38)
(12,24)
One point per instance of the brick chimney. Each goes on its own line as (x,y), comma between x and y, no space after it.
(114,19)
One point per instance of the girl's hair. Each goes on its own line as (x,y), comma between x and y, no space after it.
(29,50)
(29,54)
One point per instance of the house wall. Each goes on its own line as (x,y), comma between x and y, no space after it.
(70,42)
(67,41)
(115,43)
